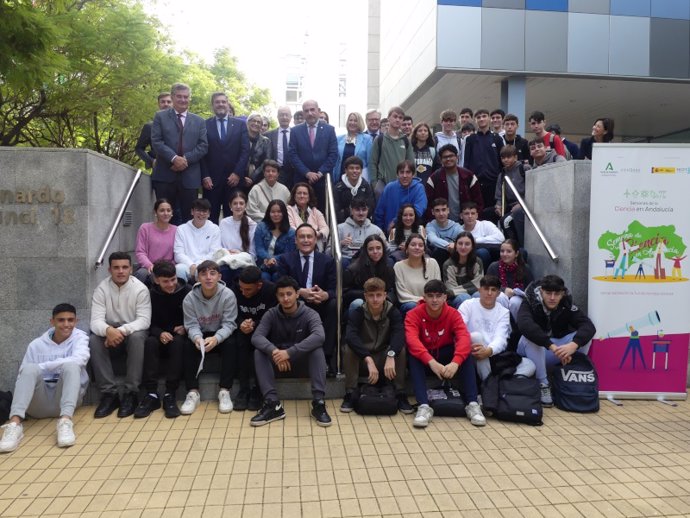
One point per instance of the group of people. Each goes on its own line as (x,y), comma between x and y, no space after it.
(432,286)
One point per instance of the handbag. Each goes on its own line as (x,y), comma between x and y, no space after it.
(375,399)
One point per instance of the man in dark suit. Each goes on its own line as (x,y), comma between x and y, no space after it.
(225,165)
(149,157)
(280,143)
(315,273)
(179,141)
(313,151)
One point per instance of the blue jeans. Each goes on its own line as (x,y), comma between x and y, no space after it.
(405,307)
(459,299)
(466,374)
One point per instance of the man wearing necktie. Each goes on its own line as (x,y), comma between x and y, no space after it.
(315,274)
(179,140)
(280,142)
(224,167)
(313,151)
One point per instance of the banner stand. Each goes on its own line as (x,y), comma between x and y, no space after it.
(639,286)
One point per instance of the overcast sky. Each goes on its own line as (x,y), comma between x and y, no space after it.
(261,32)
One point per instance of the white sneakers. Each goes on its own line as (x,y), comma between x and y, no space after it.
(190,403)
(13,434)
(11,437)
(474,414)
(65,433)
(423,417)
(224,401)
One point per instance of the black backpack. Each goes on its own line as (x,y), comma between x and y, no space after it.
(449,402)
(513,398)
(575,386)
(5,405)
(375,399)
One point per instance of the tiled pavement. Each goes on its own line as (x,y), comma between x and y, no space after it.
(632,460)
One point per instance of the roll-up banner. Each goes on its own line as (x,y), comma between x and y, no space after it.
(639,294)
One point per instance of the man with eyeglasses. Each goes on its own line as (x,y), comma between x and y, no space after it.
(454,183)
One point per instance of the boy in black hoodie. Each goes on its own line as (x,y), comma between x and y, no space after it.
(167,335)
(254,297)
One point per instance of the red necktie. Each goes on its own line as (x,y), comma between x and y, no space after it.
(312,135)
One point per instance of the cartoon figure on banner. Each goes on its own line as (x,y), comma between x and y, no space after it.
(634,346)
(642,250)
(623,259)
(659,270)
(676,273)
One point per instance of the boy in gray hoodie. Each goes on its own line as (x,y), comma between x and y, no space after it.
(52,379)
(287,334)
(355,229)
(210,314)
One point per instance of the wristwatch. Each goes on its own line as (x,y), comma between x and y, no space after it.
(390,354)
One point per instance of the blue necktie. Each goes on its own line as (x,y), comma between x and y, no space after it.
(305,270)
(222,129)
(285,147)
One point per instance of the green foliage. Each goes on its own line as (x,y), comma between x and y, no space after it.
(86,74)
(646,239)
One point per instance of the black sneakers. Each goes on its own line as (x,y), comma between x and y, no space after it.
(170,406)
(255,398)
(404,405)
(318,411)
(109,403)
(271,411)
(128,405)
(147,405)
(347,405)
(241,400)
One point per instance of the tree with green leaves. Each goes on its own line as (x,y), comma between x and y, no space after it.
(86,74)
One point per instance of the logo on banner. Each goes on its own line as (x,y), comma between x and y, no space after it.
(643,254)
(663,170)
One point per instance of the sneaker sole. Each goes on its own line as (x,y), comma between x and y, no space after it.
(184,412)
(67,444)
(478,423)
(323,425)
(225,411)
(420,425)
(10,450)
(262,423)
(346,410)
(406,412)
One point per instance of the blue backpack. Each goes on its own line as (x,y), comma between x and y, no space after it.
(575,386)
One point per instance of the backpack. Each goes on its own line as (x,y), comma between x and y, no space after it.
(513,398)
(446,401)
(552,138)
(375,400)
(5,405)
(575,386)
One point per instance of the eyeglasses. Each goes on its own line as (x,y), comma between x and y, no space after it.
(449,120)
(447,157)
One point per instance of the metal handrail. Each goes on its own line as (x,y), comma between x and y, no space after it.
(332,221)
(528,213)
(118,219)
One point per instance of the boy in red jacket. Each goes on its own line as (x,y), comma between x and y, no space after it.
(438,341)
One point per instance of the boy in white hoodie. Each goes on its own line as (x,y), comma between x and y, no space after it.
(196,241)
(52,379)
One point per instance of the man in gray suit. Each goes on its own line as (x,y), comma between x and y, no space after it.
(179,140)
(280,142)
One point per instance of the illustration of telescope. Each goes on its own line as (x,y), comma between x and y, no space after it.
(650,319)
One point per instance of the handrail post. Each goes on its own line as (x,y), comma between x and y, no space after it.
(118,218)
(529,215)
(337,255)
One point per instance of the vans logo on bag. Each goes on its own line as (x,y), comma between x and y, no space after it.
(578,377)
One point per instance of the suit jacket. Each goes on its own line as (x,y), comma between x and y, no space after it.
(145,141)
(226,156)
(164,136)
(323,270)
(320,158)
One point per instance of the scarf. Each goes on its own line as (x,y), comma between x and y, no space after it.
(353,189)
(503,271)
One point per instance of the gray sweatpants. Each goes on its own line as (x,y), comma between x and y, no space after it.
(103,367)
(266,376)
(33,396)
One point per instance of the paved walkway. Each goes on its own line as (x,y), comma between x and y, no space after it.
(632,460)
